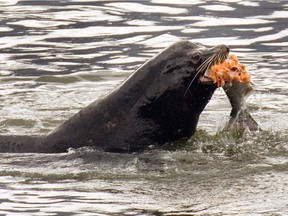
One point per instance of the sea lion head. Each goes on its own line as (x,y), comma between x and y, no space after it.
(186,62)
(179,91)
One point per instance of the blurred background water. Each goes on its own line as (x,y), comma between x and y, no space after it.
(58,56)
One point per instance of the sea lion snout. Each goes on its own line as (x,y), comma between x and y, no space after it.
(220,49)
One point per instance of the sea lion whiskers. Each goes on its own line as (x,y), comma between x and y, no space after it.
(206,64)
(191,83)
(216,58)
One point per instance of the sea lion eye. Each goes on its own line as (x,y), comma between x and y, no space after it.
(196,56)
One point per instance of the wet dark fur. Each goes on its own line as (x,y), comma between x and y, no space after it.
(151,107)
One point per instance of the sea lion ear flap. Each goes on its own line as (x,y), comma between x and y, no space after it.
(168,69)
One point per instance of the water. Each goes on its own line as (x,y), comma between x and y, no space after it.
(58,56)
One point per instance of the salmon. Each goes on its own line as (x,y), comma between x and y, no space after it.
(240,119)
(229,73)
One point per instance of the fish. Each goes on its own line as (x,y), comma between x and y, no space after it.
(240,118)
(227,72)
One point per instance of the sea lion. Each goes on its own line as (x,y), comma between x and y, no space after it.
(158,104)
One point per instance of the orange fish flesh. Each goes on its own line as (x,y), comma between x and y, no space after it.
(229,70)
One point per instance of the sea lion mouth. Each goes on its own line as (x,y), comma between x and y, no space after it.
(216,55)
(219,54)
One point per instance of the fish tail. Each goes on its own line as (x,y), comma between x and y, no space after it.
(242,121)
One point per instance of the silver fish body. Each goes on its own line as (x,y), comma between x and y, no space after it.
(240,119)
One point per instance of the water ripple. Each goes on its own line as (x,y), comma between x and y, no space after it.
(58,56)
(141,8)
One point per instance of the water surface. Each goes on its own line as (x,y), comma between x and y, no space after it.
(58,56)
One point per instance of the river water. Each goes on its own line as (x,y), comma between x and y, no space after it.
(58,56)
